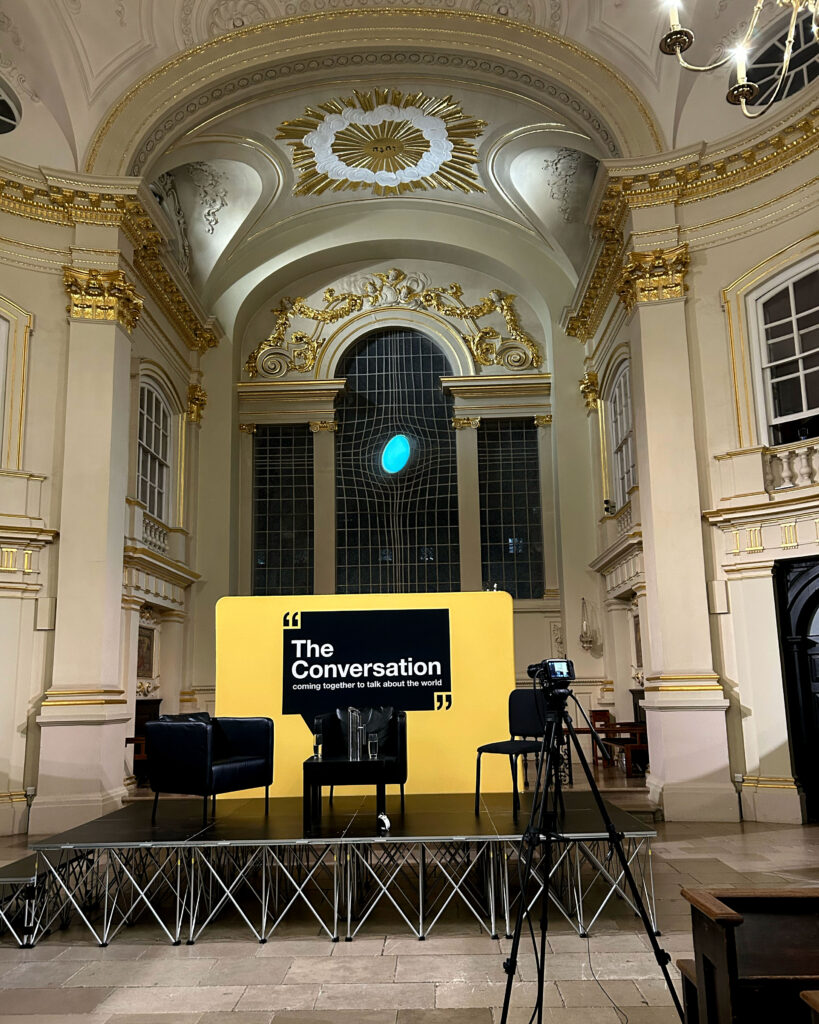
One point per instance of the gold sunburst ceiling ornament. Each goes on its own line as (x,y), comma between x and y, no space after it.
(385,141)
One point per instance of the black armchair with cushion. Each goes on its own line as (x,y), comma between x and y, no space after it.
(527,718)
(199,755)
(334,768)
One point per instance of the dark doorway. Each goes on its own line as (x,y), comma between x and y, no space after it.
(797,598)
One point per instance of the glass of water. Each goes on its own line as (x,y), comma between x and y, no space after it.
(317,745)
(372,745)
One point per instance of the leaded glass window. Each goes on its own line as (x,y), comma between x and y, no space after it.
(511,519)
(283,509)
(396,473)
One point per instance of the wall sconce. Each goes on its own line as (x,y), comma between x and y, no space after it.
(586,637)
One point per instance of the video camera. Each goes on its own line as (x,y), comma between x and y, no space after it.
(553,675)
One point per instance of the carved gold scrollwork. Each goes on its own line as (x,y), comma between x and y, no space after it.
(298,351)
(589,389)
(101,295)
(652,276)
(466,422)
(197,400)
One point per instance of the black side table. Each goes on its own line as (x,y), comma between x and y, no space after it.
(337,771)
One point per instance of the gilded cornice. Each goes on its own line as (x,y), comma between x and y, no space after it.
(694,177)
(653,276)
(56,199)
(101,295)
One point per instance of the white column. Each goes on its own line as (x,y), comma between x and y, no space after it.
(85,714)
(172,627)
(469,501)
(619,656)
(684,703)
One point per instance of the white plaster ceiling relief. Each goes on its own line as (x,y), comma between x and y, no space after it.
(211,186)
(386,141)
(561,179)
(229,15)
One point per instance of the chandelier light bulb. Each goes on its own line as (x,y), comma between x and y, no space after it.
(674,16)
(741,58)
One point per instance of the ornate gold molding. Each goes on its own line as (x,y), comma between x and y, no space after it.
(466,422)
(316,426)
(51,201)
(281,351)
(653,276)
(699,176)
(248,428)
(337,147)
(543,421)
(101,295)
(589,385)
(197,400)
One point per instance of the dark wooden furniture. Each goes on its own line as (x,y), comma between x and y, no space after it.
(600,718)
(755,951)
(812,999)
(146,710)
(630,737)
(338,771)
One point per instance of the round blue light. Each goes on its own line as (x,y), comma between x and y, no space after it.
(396,454)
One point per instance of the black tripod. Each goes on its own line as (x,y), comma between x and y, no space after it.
(544,830)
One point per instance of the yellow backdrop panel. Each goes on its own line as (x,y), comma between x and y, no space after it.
(441,744)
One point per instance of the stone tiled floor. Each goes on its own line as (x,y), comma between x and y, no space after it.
(385,977)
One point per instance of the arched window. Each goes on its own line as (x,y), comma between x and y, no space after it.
(623,466)
(787,322)
(153,459)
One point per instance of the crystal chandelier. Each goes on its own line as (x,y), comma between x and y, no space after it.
(742,92)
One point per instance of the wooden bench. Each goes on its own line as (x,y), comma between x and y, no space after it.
(812,999)
(755,951)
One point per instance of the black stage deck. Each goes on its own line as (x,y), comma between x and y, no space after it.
(180,876)
(447,818)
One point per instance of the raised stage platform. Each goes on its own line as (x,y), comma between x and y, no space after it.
(182,876)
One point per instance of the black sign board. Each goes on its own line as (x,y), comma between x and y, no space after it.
(398,658)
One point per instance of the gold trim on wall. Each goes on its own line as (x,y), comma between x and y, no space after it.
(197,400)
(316,426)
(466,422)
(588,386)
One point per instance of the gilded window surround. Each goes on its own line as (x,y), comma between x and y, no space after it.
(68,201)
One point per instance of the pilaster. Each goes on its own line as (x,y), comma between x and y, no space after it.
(469,501)
(324,505)
(85,712)
(684,702)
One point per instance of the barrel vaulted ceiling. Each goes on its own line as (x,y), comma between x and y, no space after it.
(226,109)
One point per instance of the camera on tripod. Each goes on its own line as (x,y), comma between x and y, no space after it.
(553,675)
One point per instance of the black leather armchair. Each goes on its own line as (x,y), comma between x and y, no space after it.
(203,756)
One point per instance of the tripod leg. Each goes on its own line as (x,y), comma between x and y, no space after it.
(531,838)
(616,841)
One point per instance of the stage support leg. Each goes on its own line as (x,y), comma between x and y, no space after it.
(153,812)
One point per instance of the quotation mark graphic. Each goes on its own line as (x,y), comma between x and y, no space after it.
(292,620)
(443,701)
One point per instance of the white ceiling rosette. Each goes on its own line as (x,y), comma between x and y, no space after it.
(385,141)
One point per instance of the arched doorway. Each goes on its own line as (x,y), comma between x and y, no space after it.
(797,591)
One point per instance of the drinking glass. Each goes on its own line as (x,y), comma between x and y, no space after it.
(372,745)
(317,745)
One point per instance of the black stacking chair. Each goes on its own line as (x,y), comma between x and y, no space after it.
(527,721)
(199,755)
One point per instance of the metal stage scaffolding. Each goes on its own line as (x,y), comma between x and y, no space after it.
(180,877)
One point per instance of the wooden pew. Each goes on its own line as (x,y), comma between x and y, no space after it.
(812,999)
(755,951)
